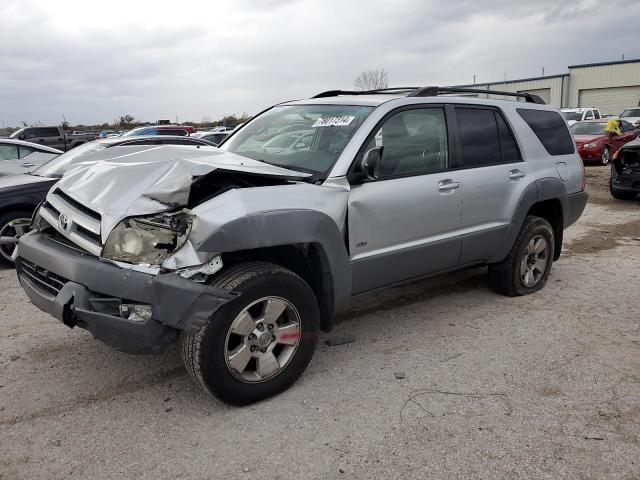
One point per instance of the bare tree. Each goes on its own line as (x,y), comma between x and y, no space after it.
(372,80)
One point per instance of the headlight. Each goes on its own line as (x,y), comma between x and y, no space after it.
(149,240)
(591,145)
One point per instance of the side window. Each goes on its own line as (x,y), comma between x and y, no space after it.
(508,145)
(174,131)
(625,126)
(551,130)
(24,151)
(479,140)
(588,115)
(33,133)
(8,152)
(50,132)
(414,142)
(596,112)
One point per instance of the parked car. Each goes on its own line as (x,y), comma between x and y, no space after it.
(20,194)
(242,256)
(214,137)
(175,130)
(54,137)
(573,115)
(624,183)
(632,115)
(595,144)
(18,156)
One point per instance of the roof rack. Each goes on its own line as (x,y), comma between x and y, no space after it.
(430,92)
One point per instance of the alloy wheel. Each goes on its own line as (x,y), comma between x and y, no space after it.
(262,339)
(9,235)
(534,261)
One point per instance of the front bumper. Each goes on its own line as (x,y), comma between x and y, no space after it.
(82,290)
(589,154)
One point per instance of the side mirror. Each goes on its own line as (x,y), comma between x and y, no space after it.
(370,163)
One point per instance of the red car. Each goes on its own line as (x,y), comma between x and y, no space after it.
(594,144)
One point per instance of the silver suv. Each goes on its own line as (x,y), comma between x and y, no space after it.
(243,254)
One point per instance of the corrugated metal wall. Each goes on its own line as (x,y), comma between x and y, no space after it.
(603,77)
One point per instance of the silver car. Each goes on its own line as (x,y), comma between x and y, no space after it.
(243,254)
(18,156)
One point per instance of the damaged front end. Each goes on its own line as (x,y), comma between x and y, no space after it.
(625,170)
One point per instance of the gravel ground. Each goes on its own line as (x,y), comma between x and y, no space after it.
(544,386)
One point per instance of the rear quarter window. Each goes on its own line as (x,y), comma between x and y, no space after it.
(551,130)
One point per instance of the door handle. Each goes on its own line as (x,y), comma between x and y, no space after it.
(515,174)
(447,185)
(28,164)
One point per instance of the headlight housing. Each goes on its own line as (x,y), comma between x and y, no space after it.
(591,145)
(148,240)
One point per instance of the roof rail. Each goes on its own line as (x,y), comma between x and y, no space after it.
(430,92)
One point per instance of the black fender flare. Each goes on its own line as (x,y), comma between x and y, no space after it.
(289,227)
(549,188)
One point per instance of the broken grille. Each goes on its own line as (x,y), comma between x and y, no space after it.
(44,279)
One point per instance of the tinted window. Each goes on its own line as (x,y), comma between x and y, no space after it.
(50,132)
(24,151)
(550,129)
(597,114)
(588,115)
(479,140)
(508,146)
(172,131)
(414,143)
(626,126)
(8,152)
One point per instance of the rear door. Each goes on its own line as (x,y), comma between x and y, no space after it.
(404,224)
(491,171)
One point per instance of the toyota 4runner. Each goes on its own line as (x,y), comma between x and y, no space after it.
(244,254)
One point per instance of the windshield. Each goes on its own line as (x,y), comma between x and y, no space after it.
(632,112)
(56,167)
(568,116)
(17,133)
(139,131)
(308,138)
(588,128)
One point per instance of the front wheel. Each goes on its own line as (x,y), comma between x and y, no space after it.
(526,268)
(605,156)
(258,344)
(12,226)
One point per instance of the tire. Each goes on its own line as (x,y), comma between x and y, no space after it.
(506,277)
(208,353)
(605,157)
(7,230)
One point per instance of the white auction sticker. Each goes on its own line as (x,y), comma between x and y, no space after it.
(333,121)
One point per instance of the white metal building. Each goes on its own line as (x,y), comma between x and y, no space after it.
(609,86)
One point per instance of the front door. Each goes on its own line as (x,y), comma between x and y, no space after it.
(404,224)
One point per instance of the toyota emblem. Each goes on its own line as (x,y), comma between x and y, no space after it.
(63,221)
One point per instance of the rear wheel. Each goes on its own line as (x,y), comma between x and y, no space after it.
(526,269)
(257,345)
(12,226)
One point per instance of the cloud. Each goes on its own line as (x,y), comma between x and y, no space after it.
(157,60)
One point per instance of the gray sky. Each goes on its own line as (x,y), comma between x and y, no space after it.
(160,59)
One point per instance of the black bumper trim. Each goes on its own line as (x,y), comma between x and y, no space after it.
(178,303)
(576,202)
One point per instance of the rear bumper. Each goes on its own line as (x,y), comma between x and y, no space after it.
(82,290)
(627,181)
(576,202)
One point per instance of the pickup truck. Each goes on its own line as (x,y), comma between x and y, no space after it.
(55,137)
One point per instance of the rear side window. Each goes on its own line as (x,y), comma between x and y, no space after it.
(550,129)
(24,151)
(479,139)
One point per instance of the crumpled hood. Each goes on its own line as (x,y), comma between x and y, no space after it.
(121,182)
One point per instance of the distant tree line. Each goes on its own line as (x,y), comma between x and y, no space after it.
(128,121)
